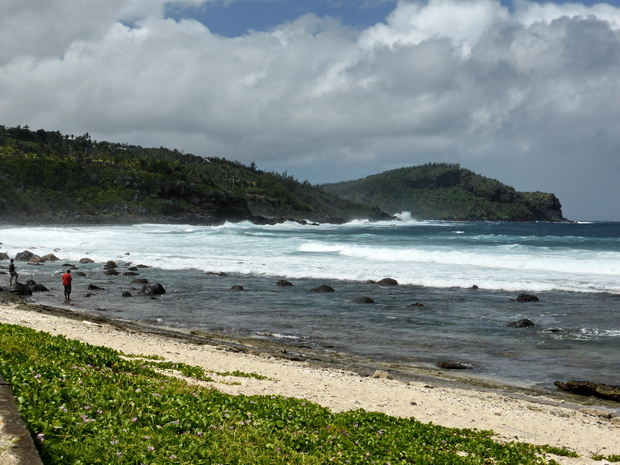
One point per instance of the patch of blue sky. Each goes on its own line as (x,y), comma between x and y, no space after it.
(233,19)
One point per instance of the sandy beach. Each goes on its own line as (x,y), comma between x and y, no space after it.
(538,420)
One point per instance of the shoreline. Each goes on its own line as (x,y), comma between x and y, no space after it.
(346,383)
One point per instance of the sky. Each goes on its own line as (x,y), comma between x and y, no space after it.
(524,92)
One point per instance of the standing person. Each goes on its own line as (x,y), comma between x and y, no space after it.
(13,273)
(66,281)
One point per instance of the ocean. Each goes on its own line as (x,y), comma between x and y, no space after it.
(458,284)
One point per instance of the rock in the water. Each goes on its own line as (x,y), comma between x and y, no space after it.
(237,288)
(524,323)
(152,289)
(474,287)
(140,281)
(31,282)
(323,288)
(589,388)
(4,256)
(364,300)
(111,272)
(527,298)
(24,256)
(50,257)
(94,287)
(21,289)
(388,282)
(284,283)
(141,266)
(126,294)
(417,304)
(39,288)
(87,260)
(110,264)
(79,273)
(131,273)
(449,365)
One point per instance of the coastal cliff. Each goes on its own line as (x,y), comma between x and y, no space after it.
(442,191)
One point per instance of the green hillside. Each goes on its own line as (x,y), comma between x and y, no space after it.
(50,177)
(448,192)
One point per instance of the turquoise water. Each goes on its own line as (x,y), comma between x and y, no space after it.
(574,269)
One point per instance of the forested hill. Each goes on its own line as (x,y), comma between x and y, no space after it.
(448,192)
(48,177)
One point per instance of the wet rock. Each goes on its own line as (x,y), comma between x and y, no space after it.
(284,283)
(132,268)
(126,294)
(4,256)
(39,288)
(452,365)
(364,300)
(152,289)
(323,288)
(86,260)
(388,282)
(237,288)
(79,273)
(589,388)
(21,289)
(30,282)
(111,272)
(24,256)
(140,281)
(109,265)
(474,287)
(524,323)
(131,273)
(141,266)
(94,287)
(50,257)
(417,304)
(527,298)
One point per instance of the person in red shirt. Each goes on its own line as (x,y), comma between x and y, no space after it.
(66,281)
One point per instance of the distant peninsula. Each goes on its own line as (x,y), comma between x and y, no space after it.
(443,191)
(50,178)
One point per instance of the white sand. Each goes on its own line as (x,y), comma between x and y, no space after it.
(536,421)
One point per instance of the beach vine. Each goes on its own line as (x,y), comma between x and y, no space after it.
(90,404)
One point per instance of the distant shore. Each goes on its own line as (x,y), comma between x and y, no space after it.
(348,384)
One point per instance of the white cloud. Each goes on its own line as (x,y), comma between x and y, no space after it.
(513,95)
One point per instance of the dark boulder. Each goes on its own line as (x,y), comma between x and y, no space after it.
(86,260)
(110,264)
(31,282)
(323,288)
(50,257)
(21,289)
(451,365)
(527,298)
(588,388)
(524,323)
(417,304)
(141,266)
(140,281)
(132,268)
(4,256)
(388,282)
(111,272)
(24,256)
(364,300)
(284,283)
(94,287)
(79,273)
(152,289)
(131,273)
(39,288)
(237,288)
(126,294)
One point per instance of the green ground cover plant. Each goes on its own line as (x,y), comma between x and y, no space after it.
(86,404)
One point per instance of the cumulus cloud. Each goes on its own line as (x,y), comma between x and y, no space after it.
(530,96)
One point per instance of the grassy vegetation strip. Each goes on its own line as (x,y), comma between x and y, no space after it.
(85,404)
